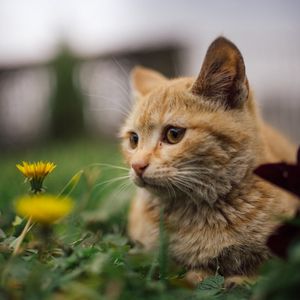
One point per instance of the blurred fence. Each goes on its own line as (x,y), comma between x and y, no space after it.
(70,97)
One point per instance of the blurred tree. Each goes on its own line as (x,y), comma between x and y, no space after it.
(67,101)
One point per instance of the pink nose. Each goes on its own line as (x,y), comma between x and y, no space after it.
(139,168)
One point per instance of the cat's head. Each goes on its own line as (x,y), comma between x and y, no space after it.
(192,138)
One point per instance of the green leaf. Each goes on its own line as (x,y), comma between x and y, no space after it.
(70,186)
(163,247)
(210,287)
(106,213)
(17,221)
(211,283)
(97,263)
(2,234)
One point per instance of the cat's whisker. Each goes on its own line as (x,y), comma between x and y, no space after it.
(196,163)
(108,109)
(170,190)
(109,182)
(194,171)
(113,180)
(122,88)
(116,105)
(187,183)
(125,73)
(113,81)
(188,162)
(110,166)
(121,188)
(190,170)
(192,180)
(180,181)
(183,182)
(108,101)
(181,185)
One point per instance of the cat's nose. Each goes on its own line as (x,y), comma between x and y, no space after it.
(139,168)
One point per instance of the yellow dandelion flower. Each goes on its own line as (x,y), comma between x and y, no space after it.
(36,173)
(45,209)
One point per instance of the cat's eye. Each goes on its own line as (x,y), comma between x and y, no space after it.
(133,139)
(173,135)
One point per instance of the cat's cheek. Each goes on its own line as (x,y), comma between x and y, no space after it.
(128,154)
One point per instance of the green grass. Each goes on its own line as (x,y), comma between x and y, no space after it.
(69,157)
(89,255)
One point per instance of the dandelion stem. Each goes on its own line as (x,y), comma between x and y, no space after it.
(21,237)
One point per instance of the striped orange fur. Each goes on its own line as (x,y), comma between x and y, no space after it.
(218,214)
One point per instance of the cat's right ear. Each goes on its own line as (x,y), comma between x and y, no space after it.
(144,80)
(222,78)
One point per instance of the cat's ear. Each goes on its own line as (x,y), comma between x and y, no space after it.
(222,77)
(143,80)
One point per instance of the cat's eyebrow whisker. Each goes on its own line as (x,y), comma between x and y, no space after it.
(124,90)
(109,109)
(107,98)
(125,73)
(129,98)
(117,109)
(116,105)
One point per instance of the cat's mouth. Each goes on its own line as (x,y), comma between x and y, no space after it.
(156,186)
(162,188)
(148,182)
(139,181)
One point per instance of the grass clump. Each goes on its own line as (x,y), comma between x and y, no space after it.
(87,254)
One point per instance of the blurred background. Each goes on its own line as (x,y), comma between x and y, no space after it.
(64,65)
(64,92)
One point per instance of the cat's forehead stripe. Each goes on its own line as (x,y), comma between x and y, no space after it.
(152,111)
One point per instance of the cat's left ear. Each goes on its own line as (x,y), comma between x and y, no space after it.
(222,77)
(144,80)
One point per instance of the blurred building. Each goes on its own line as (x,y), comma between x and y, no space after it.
(24,104)
(108,37)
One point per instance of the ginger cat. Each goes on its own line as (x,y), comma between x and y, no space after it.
(192,145)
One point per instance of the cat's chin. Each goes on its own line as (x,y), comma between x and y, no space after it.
(148,184)
(155,188)
(139,182)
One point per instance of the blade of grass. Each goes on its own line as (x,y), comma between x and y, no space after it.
(70,186)
(163,247)
(161,259)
